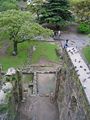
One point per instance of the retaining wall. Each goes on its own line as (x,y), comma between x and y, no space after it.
(71,98)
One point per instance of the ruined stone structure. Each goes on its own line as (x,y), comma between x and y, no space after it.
(72,101)
(10,94)
(71,95)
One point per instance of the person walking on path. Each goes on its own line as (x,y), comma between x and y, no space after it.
(66,44)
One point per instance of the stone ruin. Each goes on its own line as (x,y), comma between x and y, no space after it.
(9,94)
(73,88)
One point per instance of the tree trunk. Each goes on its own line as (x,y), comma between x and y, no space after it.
(15,48)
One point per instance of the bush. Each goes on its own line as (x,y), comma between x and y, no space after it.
(8,5)
(84,28)
(81,9)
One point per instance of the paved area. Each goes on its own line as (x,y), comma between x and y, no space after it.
(76,40)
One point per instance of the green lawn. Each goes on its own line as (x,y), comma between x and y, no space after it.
(86,52)
(43,50)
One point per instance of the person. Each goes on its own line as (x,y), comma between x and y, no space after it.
(59,33)
(66,43)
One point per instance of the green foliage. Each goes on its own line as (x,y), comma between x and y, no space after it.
(19,26)
(74,1)
(3,108)
(86,52)
(55,12)
(8,5)
(84,28)
(82,9)
(35,6)
(27,78)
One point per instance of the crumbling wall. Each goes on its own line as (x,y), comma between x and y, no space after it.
(11,91)
(71,99)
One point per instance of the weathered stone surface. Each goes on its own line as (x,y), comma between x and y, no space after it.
(72,101)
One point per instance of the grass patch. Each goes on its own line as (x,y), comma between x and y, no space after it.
(43,49)
(27,78)
(86,52)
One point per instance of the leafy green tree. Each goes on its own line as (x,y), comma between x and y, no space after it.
(19,26)
(8,5)
(81,9)
(55,12)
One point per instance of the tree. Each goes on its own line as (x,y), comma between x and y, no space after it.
(82,10)
(19,26)
(35,7)
(55,12)
(8,5)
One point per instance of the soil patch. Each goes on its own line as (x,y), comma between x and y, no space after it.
(3,49)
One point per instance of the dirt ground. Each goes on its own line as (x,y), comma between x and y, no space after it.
(38,108)
(3,49)
(46,84)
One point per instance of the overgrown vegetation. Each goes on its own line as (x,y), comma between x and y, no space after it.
(8,5)
(84,28)
(81,9)
(27,78)
(86,52)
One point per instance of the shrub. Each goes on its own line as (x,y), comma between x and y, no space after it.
(81,9)
(84,28)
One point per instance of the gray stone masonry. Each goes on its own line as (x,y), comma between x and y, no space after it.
(71,98)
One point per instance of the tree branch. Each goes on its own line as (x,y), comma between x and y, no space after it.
(25,39)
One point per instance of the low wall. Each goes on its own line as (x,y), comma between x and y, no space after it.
(71,98)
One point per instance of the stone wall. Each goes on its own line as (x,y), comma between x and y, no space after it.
(71,99)
(11,88)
